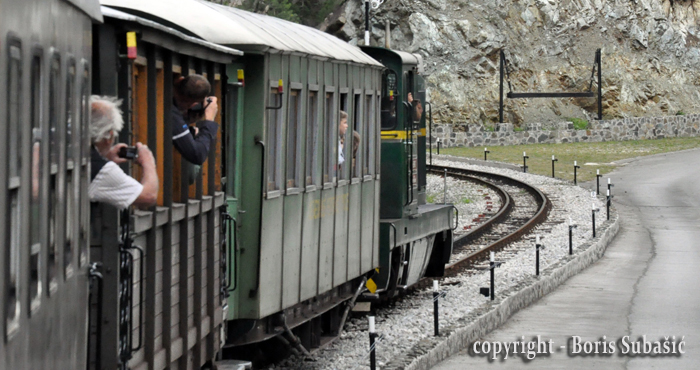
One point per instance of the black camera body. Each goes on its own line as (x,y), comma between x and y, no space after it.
(128,152)
(197,110)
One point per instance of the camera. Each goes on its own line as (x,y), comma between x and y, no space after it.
(128,152)
(198,109)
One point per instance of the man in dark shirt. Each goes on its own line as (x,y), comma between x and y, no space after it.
(192,103)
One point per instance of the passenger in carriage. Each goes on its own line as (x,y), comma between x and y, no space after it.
(192,104)
(355,147)
(109,184)
(417,108)
(342,128)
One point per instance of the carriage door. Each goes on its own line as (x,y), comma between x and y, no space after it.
(419,107)
(232,131)
(411,132)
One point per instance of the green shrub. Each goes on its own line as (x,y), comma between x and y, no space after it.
(466,200)
(489,128)
(579,123)
(680,113)
(518,129)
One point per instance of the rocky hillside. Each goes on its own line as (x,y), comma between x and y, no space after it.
(651,55)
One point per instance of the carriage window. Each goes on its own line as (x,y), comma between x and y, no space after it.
(232,138)
(354,136)
(329,144)
(274,142)
(293,138)
(368,136)
(312,140)
(82,203)
(388,106)
(14,78)
(375,133)
(70,191)
(342,139)
(37,180)
(54,77)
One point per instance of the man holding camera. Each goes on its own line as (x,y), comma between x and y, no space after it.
(192,103)
(109,183)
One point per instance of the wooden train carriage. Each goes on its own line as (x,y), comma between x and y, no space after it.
(415,237)
(45,71)
(161,305)
(307,229)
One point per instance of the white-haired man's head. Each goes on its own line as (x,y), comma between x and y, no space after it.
(106,118)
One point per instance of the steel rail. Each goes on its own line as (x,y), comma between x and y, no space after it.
(543,207)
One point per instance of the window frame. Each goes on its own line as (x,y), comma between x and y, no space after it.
(84,156)
(274,144)
(377,135)
(359,126)
(311,172)
(330,137)
(368,165)
(293,143)
(13,207)
(70,197)
(343,175)
(36,221)
(53,145)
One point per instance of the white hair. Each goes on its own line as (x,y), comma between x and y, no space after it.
(106,117)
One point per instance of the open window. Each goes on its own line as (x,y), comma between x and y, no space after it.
(14,169)
(368,136)
(330,137)
(389,99)
(84,206)
(343,142)
(274,142)
(293,144)
(54,94)
(70,195)
(37,181)
(354,136)
(312,139)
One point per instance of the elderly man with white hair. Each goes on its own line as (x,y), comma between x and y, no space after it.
(109,183)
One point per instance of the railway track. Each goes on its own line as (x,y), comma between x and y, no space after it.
(523,207)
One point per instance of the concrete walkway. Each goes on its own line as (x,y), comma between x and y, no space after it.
(648,282)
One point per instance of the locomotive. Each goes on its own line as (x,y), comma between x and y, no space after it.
(282,229)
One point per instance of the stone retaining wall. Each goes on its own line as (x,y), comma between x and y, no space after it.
(563,132)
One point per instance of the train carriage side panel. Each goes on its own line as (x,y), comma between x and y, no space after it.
(340,241)
(313,185)
(233,128)
(370,171)
(252,184)
(355,123)
(376,250)
(271,255)
(294,196)
(328,194)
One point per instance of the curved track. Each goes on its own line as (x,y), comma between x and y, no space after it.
(523,207)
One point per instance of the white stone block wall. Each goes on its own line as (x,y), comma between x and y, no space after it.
(637,128)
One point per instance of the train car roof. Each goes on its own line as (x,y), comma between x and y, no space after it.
(243,30)
(90,7)
(406,58)
(179,36)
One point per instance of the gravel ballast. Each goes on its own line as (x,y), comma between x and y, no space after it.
(406,329)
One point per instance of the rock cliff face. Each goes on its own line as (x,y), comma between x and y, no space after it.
(651,54)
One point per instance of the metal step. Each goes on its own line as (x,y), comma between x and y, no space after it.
(233,365)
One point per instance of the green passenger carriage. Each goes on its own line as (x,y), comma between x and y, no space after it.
(305,229)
